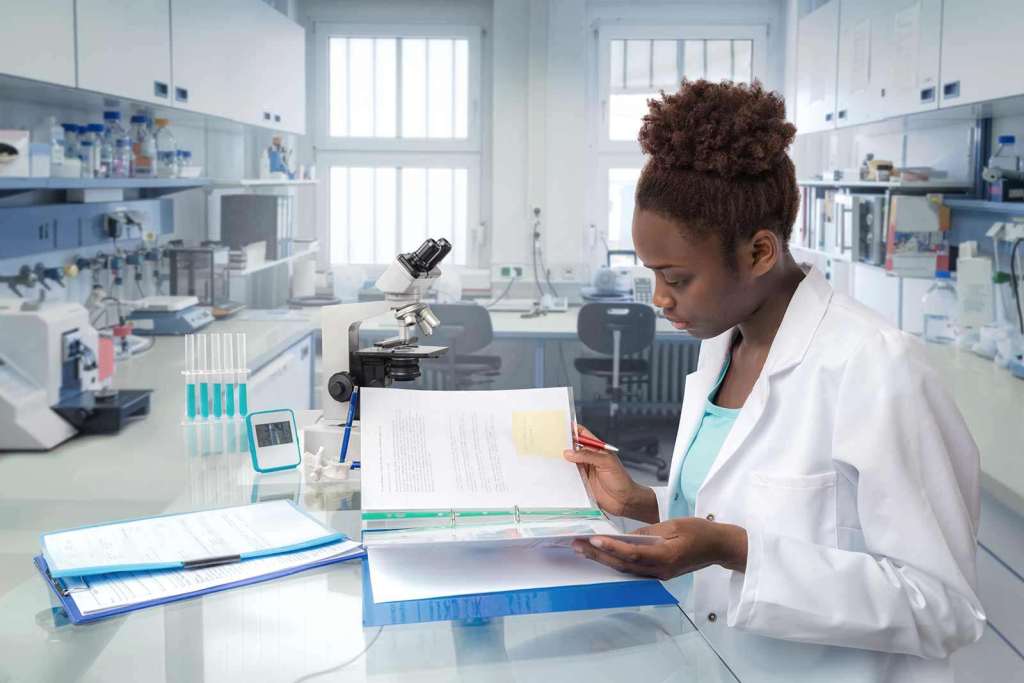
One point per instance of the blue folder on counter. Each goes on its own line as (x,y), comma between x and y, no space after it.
(639,593)
(64,589)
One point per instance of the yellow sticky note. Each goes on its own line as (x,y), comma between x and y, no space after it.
(540,432)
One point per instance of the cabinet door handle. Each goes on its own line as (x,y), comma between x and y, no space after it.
(277,118)
(842,114)
(181,94)
(828,116)
(927,95)
(951,90)
(266,116)
(160,89)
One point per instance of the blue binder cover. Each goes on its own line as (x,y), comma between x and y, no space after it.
(509,603)
(77,617)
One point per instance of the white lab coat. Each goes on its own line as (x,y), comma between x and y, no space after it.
(857,482)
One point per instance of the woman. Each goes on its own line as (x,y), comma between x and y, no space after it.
(824,487)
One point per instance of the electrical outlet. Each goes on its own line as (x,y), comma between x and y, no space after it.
(567,272)
(1013,231)
(510,271)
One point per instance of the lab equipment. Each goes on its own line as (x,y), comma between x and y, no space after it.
(166,150)
(215,375)
(56,373)
(169,315)
(973,287)
(940,304)
(242,375)
(204,379)
(121,165)
(916,234)
(230,377)
(202,272)
(609,284)
(143,147)
(345,366)
(70,140)
(14,153)
(190,376)
(51,135)
(250,218)
(273,440)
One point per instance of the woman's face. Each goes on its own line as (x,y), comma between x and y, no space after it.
(693,285)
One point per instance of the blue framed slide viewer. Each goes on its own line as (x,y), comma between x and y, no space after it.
(273,440)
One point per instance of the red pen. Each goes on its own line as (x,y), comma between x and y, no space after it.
(596,444)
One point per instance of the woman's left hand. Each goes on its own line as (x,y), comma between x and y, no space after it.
(690,543)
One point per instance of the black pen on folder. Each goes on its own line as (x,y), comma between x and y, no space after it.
(211,561)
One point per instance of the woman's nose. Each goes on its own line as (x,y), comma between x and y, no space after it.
(661,298)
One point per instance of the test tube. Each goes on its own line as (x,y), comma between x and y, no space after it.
(190,376)
(243,376)
(204,379)
(217,366)
(229,376)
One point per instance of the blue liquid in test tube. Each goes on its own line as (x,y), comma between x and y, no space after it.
(190,399)
(243,399)
(229,409)
(217,409)
(204,399)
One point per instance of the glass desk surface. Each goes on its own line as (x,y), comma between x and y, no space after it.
(306,627)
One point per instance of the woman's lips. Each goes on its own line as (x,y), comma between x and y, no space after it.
(676,323)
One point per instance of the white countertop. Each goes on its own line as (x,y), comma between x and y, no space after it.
(992,403)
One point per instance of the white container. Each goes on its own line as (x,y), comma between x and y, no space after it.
(166,150)
(39,159)
(940,306)
(14,164)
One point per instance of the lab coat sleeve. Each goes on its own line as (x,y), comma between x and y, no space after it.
(661,493)
(899,435)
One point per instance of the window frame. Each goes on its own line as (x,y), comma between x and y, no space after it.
(758,34)
(470,162)
(607,153)
(324,31)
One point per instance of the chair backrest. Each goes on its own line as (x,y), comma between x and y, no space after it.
(598,321)
(468,325)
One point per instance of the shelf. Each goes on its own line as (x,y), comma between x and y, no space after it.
(926,185)
(268,264)
(151,187)
(1003,208)
(261,182)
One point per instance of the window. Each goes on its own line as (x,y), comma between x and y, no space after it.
(634,65)
(398,139)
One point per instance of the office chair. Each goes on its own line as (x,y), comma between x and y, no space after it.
(465,329)
(618,330)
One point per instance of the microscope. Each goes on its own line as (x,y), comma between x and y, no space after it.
(397,359)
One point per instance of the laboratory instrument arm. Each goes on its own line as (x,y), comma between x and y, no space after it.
(908,583)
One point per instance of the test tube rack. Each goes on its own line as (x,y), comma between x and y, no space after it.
(216,375)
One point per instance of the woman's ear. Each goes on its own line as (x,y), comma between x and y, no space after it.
(765,251)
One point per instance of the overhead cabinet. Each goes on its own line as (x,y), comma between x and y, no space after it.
(124,48)
(818,34)
(980,41)
(40,43)
(236,59)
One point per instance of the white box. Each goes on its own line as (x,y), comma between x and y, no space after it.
(16,166)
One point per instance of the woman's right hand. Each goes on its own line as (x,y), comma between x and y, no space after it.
(615,491)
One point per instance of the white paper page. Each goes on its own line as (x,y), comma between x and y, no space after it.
(107,591)
(398,573)
(188,536)
(467,450)
(524,535)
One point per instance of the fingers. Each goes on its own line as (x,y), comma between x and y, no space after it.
(587,456)
(613,561)
(584,431)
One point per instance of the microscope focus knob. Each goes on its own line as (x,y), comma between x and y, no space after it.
(340,386)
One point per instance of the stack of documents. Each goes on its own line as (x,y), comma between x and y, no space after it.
(104,570)
(468,493)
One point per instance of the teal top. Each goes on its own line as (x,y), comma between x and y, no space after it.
(702,450)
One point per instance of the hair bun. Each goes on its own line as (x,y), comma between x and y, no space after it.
(727,129)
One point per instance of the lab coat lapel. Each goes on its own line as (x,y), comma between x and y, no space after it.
(803,315)
(698,384)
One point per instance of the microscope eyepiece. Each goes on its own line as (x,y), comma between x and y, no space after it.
(426,257)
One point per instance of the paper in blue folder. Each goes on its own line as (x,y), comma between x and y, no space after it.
(87,599)
(189,540)
(637,593)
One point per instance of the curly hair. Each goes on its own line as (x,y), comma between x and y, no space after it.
(718,162)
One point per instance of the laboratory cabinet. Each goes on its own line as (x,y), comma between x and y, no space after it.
(37,40)
(286,381)
(277,67)
(877,290)
(124,49)
(818,36)
(980,41)
(888,61)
